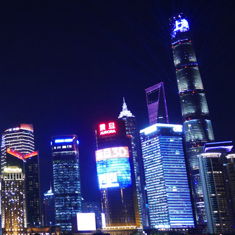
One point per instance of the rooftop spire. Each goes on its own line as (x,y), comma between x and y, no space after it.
(49,192)
(125,112)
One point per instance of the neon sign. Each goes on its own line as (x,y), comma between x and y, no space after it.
(67,140)
(21,156)
(180,25)
(107,128)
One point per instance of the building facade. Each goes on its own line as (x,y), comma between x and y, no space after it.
(166,178)
(156,103)
(18,150)
(66,180)
(14,220)
(217,171)
(196,121)
(131,131)
(49,208)
(116,177)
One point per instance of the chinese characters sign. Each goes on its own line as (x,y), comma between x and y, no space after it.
(180,25)
(107,128)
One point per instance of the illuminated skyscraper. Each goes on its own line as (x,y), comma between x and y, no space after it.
(196,122)
(156,102)
(66,180)
(116,177)
(17,150)
(49,208)
(130,125)
(166,178)
(13,201)
(217,169)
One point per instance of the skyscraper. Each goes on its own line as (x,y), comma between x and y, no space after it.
(156,102)
(13,201)
(166,179)
(66,180)
(130,125)
(17,150)
(217,171)
(196,122)
(116,177)
(49,208)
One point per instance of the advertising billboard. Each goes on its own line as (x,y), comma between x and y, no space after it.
(113,167)
(86,221)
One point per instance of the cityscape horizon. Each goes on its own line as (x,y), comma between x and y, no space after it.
(97,70)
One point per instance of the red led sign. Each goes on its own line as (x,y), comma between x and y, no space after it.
(107,128)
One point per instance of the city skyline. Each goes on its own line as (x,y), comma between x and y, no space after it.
(61,98)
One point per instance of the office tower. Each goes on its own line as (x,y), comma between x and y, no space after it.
(13,201)
(49,208)
(131,131)
(217,171)
(17,150)
(66,180)
(166,179)
(156,102)
(93,207)
(116,177)
(196,122)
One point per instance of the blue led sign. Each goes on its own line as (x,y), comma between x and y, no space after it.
(113,167)
(180,25)
(67,140)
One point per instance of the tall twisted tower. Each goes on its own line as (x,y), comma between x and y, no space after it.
(196,122)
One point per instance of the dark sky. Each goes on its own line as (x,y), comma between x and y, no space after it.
(65,66)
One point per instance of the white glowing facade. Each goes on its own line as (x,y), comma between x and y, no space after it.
(20,139)
(13,201)
(86,222)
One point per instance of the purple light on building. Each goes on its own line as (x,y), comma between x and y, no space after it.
(156,102)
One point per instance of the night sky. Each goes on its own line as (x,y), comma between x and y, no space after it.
(65,66)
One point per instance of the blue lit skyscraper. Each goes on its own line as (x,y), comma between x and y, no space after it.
(116,177)
(196,121)
(130,126)
(49,208)
(217,170)
(166,179)
(66,180)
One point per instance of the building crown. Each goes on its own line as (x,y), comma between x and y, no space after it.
(125,112)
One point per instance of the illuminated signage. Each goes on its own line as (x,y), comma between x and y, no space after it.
(107,128)
(86,221)
(180,25)
(115,152)
(66,140)
(113,167)
(21,155)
